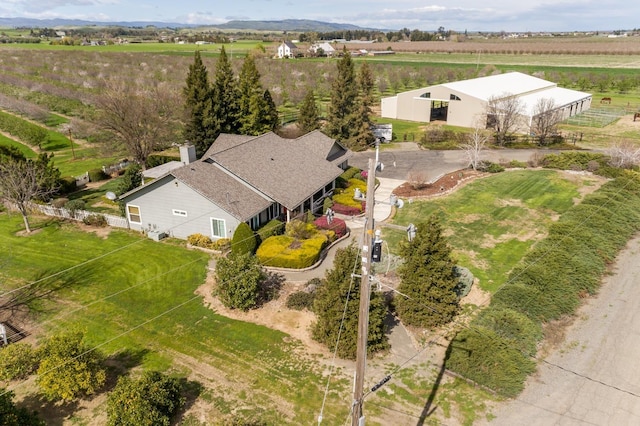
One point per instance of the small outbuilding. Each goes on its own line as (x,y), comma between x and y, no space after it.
(465,103)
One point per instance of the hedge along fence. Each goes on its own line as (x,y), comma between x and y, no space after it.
(496,349)
(30,133)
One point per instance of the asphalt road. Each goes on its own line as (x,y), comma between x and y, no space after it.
(408,158)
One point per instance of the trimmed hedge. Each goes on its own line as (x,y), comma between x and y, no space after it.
(547,284)
(337,225)
(283,251)
(270,229)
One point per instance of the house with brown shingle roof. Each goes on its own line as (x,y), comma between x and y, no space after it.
(240,178)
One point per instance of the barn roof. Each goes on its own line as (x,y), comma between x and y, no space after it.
(514,83)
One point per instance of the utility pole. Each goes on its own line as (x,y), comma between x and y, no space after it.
(357,418)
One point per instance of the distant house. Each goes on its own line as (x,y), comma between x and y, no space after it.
(287,50)
(324,48)
(250,179)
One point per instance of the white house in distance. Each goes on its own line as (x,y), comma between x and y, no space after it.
(287,50)
(464,103)
(323,47)
(240,178)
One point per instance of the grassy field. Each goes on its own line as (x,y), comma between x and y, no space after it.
(492,222)
(135,299)
(237,48)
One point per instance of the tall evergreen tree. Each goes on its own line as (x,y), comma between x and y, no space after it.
(428,278)
(197,93)
(271,119)
(364,136)
(251,98)
(221,115)
(308,118)
(329,305)
(343,102)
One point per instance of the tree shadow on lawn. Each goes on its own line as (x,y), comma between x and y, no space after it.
(52,412)
(37,295)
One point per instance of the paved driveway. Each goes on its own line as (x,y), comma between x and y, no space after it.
(408,158)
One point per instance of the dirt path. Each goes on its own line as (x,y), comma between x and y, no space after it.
(593,377)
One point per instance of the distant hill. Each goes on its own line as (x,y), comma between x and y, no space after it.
(295,25)
(53,23)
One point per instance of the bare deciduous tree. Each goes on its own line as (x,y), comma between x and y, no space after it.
(504,116)
(545,120)
(624,155)
(22,181)
(143,119)
(475,146)
(418,179)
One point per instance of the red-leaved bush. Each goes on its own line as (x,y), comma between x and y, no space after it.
(337,225)
(346,210)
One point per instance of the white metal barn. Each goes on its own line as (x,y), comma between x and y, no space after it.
(464,103)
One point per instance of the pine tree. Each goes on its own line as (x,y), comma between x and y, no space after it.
(428,278)
(343,102)
(308,119)
(221,115)
(329,303)
(271,119)
(197,93)
(251,104)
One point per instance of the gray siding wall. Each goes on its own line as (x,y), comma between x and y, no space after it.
(156,210)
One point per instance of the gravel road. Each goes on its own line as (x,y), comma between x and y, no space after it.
(593,378)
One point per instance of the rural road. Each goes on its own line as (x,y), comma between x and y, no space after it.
(593,377)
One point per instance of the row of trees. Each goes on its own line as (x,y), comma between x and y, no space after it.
(226,105)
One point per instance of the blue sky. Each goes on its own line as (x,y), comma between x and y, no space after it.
(459,15)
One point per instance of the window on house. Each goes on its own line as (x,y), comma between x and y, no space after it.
(218,228)
(134,214)
(454,97)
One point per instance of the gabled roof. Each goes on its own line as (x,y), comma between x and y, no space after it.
(514,83)
(217,186)
(288,171)
(561,98)
(289,44)
(245,174)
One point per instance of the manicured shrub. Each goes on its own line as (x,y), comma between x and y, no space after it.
(244,240)
(95,220)
(221,244)
(300,230)
(300,300)
(199,240)
(96,175)
(482,355)
(346,210)
(326,204)
(351,172)
(286,252)
(271,228)
(337,225)
(523,333)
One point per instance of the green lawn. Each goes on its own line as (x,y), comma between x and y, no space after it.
(135,299)
(492,222)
